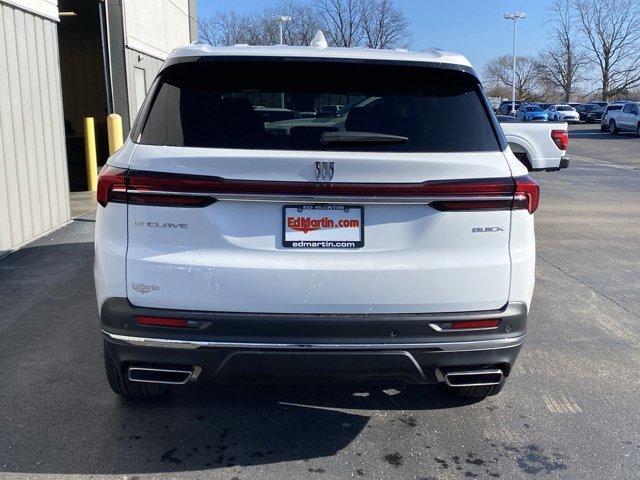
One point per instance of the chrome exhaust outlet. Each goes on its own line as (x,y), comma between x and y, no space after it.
(167,376)
(473,378)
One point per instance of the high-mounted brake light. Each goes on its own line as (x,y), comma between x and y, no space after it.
(560,138)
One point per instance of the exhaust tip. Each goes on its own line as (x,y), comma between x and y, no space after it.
(167,376)
(474,378)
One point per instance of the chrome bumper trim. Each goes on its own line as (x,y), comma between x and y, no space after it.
(437,347)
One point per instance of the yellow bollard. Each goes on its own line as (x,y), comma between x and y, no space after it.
(91,159)
(114,131)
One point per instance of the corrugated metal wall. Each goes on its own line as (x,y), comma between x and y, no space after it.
(34,188)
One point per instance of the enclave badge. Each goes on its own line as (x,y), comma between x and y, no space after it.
(324,171)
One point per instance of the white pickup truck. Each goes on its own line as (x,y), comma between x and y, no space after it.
(625,120)
(538,145)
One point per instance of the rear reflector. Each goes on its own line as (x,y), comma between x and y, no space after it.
(560,138)
(163,322)
(474,324)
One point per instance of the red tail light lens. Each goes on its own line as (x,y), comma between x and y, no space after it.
(474,324)
(163,322)
(490,193)
(527,194)
(173,190)
(120,185)
(179,190)
(111,185)
(560,138)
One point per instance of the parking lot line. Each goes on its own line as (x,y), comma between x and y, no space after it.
(601,163)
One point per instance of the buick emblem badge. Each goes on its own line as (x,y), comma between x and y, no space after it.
(324,171)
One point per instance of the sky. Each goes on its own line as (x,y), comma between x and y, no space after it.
(474,28)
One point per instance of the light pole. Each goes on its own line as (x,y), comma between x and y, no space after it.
(514,17)
(281,21)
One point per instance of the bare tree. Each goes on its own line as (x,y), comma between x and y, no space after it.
(612,37)
(499,72)
(305,22)
(346,23)
(562,65)
(384,24)
(342,21)
(225,28)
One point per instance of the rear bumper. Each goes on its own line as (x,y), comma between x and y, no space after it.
(313,348)
(564,163)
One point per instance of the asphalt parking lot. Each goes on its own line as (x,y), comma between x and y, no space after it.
(569,410)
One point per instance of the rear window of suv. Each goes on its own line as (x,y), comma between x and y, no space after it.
(309,105)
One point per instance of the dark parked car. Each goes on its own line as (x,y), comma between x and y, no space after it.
(505,108)
(596,102)
(590,112)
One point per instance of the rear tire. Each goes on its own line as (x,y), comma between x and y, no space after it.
(475,392)
(121,385)
(638,131)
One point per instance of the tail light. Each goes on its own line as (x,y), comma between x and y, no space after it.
(506,194)
(120,185)
(179,190)
(111,185)
(560,138)
(469,195)
(527,194)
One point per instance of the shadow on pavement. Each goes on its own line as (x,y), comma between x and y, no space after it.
(57,414)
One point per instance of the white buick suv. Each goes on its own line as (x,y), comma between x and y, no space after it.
(391,239)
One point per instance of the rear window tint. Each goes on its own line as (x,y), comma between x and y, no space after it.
(294,105)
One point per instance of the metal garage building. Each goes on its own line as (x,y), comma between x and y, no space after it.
(61,61)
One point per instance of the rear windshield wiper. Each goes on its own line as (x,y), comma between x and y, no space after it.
(329,138)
